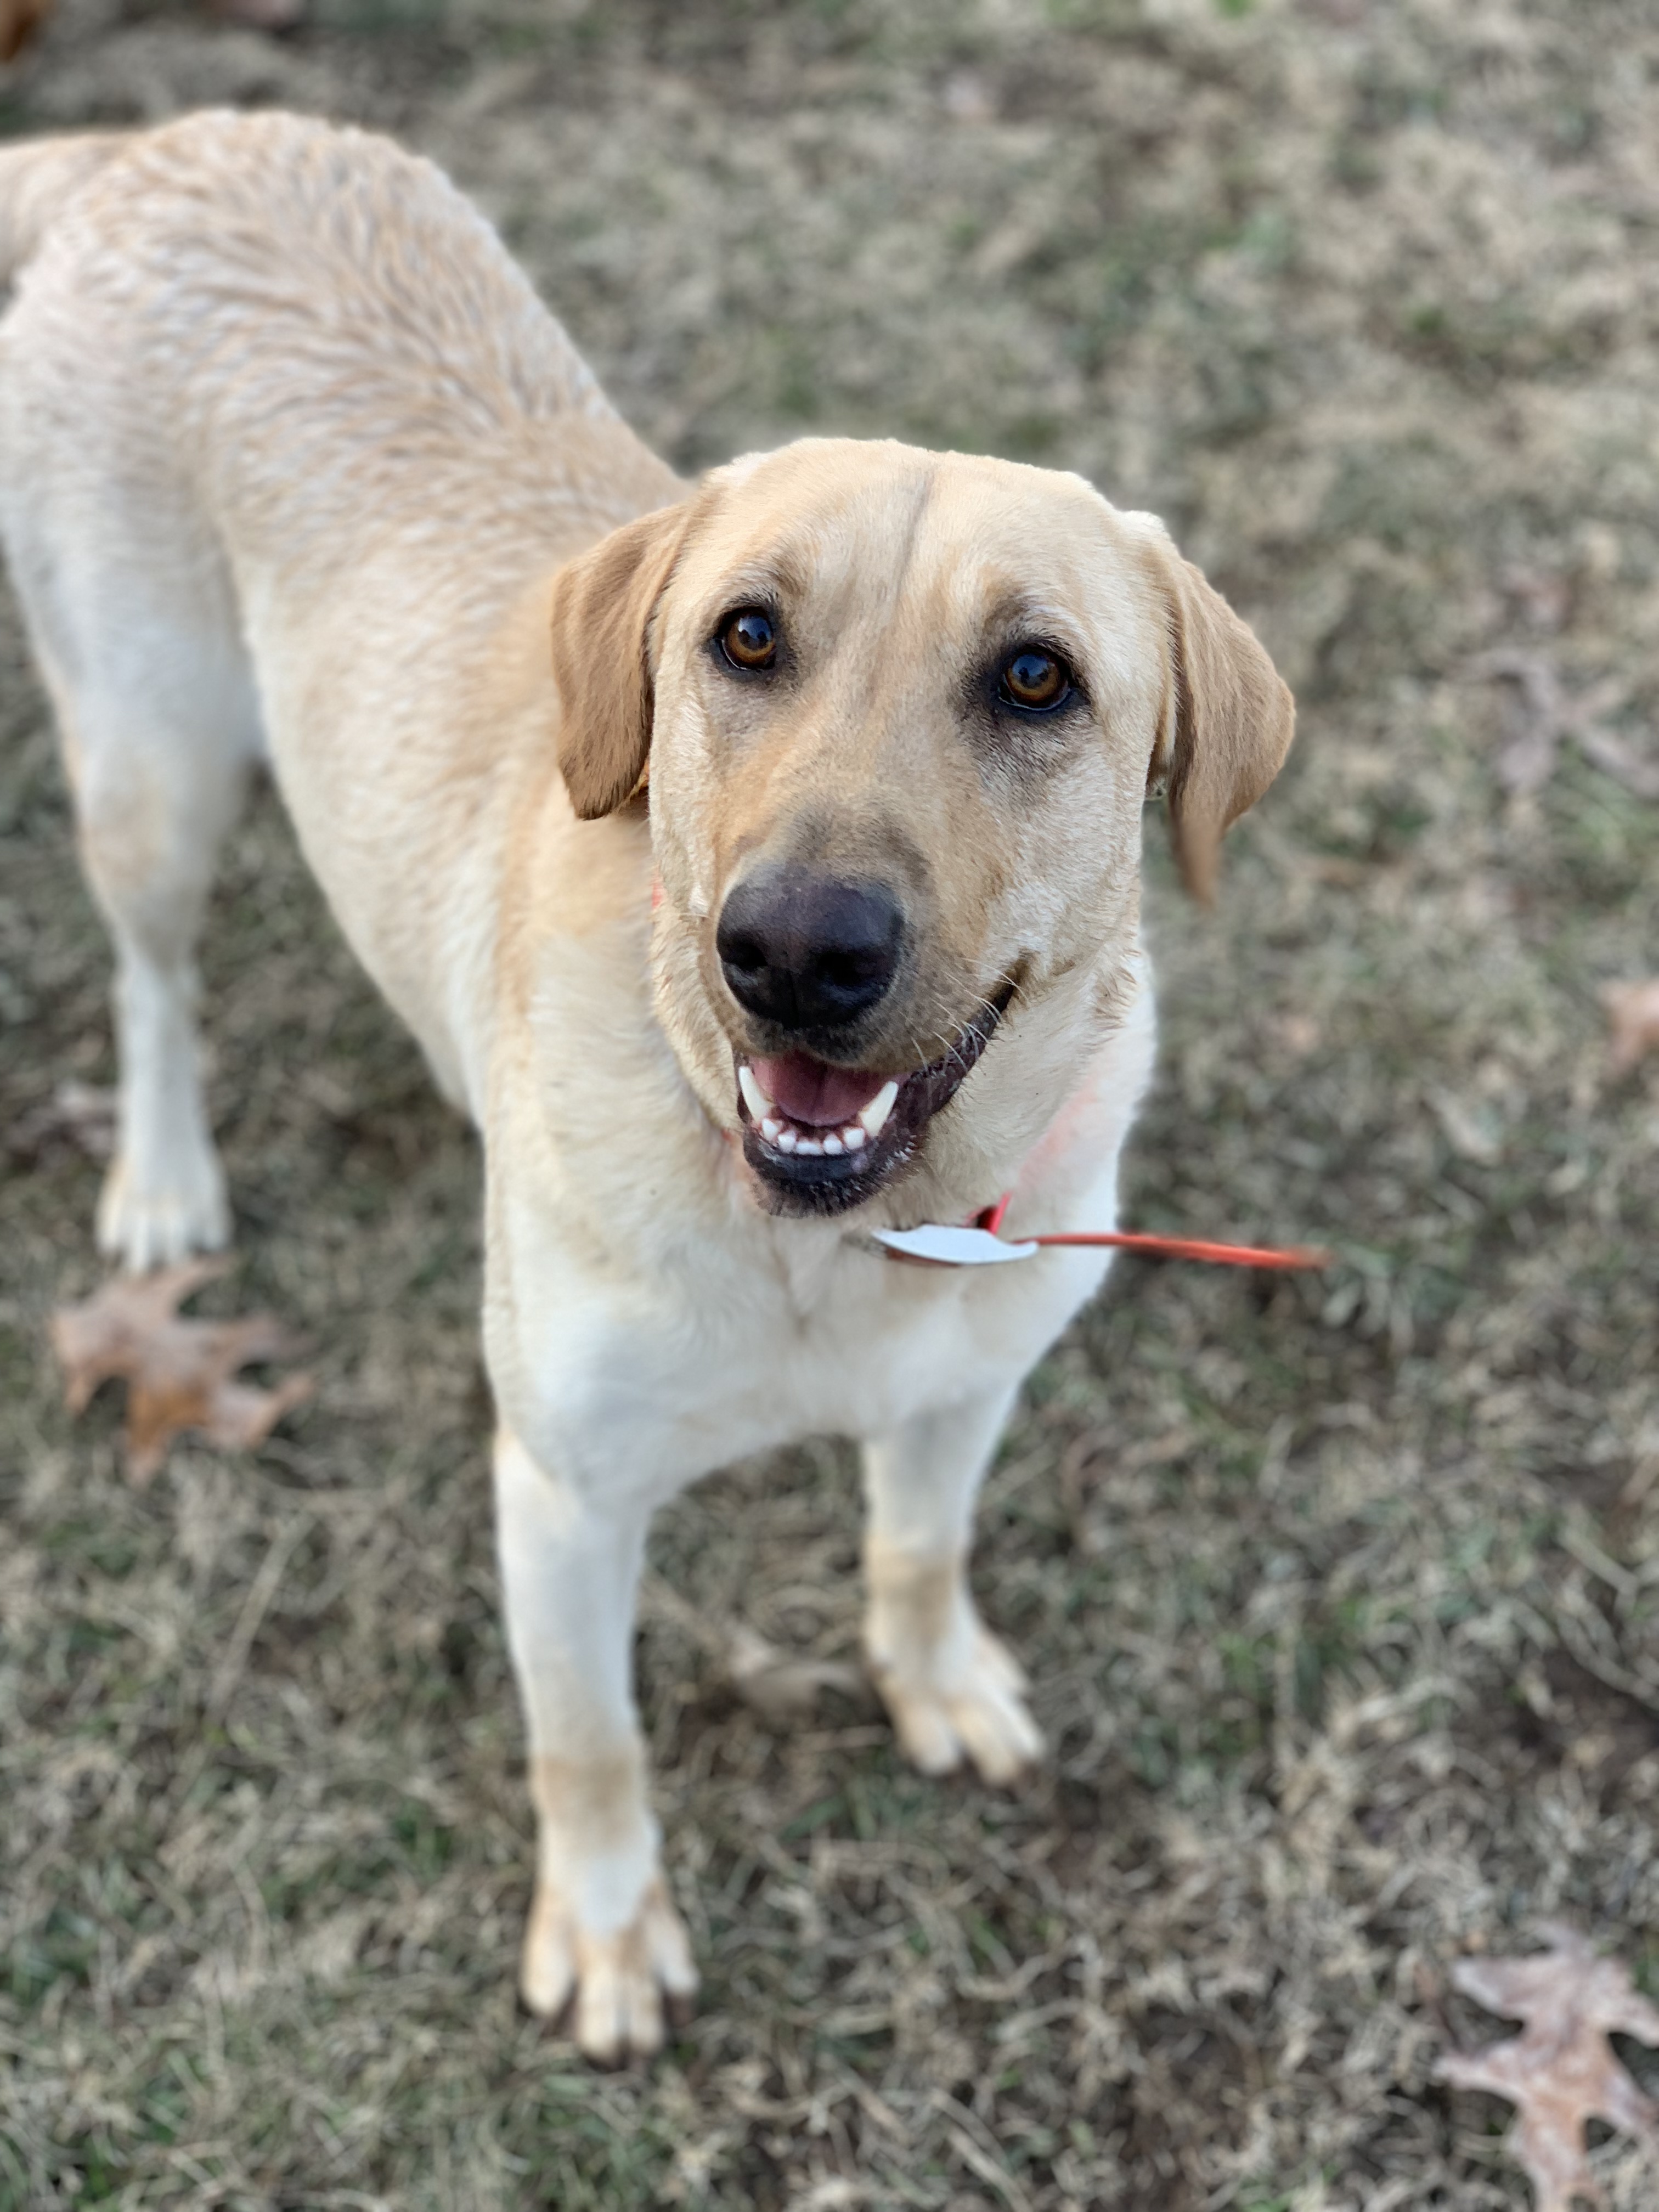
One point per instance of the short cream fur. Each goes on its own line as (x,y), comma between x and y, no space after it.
(295,467)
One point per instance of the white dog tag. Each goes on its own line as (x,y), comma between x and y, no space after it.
(940,1246)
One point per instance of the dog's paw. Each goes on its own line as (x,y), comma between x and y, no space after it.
(157,1216)
(617,1987)
(969,1705)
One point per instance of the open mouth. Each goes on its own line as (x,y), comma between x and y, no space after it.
(823,1139)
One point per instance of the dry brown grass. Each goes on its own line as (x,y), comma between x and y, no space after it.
(1340,1598)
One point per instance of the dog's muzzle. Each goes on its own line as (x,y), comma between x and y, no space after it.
(821,1139)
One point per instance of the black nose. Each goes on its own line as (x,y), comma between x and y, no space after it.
(805,952)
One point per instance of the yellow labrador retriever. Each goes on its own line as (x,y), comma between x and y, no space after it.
(758,863)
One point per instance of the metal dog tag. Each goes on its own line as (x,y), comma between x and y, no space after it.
(937,1245)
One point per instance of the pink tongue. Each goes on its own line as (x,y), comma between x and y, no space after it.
(818,1096)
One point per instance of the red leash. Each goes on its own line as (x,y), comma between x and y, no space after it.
(1170,1247)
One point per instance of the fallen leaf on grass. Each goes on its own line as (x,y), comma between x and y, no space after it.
(1473,1132)
(1543,596)
(77,1113)
(19,21)
(1560,2070)
(1615,757)
(1633,1022)
(1542,714)
(180,1374)
(782,1688)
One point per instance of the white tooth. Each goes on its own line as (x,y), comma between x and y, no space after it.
(809,1144)
(786,1141)
(852,1138)
(753,1096)
(769,1129)
(874,1116)
(832,1145)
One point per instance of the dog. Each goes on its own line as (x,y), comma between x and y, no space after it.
(756,860)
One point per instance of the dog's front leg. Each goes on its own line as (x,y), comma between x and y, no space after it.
(950,1686)
(601,1928)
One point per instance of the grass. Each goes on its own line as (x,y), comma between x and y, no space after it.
(1339,1596)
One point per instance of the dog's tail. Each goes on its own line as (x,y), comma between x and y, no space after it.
(37,180)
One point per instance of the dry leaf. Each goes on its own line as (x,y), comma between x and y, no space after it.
(1560,2070)
(1541,713)
(76,1112)
(1298,1033)
(1543,596)
(1473,1132)
(180,1374)
(19,21)
(1615,757)
(1633,1022)
(778,1686)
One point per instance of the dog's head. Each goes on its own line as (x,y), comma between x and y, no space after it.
(899,713)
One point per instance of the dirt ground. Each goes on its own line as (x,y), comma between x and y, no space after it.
(1340,1596)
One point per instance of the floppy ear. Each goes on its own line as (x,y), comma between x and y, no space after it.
(1228,721)
(603,603)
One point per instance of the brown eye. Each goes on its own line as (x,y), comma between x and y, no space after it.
(748,639)
(1035,679)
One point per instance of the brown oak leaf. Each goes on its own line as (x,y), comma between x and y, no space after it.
(19,21)
(180,1374)
(1560,2070)
(1633,1012)
(1541,711)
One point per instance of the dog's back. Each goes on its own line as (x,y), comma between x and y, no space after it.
(330,319)
(289,448)
(38,179)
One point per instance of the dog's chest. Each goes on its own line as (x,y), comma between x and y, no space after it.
(645,1328)
(742,1350)
(842,1337)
